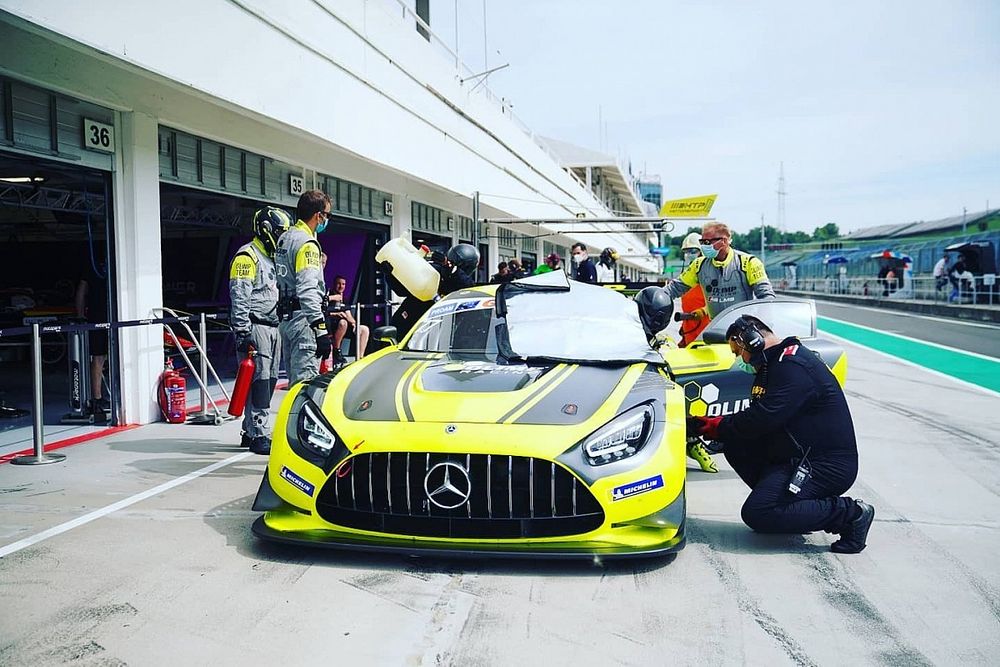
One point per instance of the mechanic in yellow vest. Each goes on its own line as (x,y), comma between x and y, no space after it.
(302,289)
(727,276)
(253,314)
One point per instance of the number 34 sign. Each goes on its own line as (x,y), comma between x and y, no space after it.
(98,136)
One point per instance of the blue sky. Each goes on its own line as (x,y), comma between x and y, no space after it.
(882,112)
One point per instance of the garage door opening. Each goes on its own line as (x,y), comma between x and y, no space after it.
(56,267)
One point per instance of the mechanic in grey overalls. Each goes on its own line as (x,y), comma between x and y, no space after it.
(302,290)
(727,276)
(253,314)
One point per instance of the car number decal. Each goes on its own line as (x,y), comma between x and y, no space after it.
(296,481)
(635,488)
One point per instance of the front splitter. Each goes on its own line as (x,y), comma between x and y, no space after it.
(330,540)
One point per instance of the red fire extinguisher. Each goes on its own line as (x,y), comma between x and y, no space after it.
(241,389)
(173,396)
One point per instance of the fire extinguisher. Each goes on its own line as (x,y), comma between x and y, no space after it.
(241,389)
(173,397)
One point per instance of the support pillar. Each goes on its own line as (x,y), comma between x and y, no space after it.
(140,284)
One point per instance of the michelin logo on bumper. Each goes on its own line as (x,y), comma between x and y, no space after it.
(296,481)
(635,488)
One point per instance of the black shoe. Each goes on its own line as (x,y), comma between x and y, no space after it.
(245,440)
(852,538)
(260,445)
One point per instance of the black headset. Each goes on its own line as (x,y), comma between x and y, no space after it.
(750,338)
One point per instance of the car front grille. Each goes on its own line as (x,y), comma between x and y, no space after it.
(508,496)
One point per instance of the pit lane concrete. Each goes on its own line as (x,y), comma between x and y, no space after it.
(177,578)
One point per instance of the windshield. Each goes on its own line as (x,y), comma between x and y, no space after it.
(785,317)
(541,318)
(550,317)
(461,323)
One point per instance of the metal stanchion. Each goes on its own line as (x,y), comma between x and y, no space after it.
(40,457)
(203,339)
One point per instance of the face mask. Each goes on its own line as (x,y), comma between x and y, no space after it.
(709,251)
(745,367)
(321,226)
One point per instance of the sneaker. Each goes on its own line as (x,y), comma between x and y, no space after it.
(852,538)
(245,440)
(260,445)
(714,446)
(697,451)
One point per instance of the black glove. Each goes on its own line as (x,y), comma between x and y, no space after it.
(324,344)
(242,342)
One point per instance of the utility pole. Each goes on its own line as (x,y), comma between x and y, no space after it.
(780,222)
(761,238)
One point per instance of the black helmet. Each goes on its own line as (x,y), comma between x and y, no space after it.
(268,224)
(465,257)
(609,256)
(655,309)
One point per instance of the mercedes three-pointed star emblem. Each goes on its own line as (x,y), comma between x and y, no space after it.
(447,485)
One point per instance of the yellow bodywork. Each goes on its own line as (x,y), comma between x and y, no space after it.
(484,424)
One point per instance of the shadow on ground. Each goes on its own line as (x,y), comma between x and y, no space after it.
(734,537)
(233,521)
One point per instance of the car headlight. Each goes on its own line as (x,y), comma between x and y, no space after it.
(620,438)
(314,434)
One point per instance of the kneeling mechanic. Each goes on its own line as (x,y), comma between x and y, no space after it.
(795,445)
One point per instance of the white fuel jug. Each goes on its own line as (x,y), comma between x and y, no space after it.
(410,268)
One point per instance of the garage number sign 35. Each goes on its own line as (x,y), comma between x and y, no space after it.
(98,136)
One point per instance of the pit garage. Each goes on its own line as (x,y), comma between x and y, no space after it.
(57,259)
(208,194)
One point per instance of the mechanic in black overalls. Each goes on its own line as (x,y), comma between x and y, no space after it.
(457,270)
(794,446)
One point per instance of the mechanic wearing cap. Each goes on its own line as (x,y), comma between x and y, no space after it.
(553,262)
(795,445)
(302,290)
(606,266)
(253,314)
(726,275)
(693,301)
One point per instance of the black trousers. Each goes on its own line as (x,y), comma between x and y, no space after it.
(772,508)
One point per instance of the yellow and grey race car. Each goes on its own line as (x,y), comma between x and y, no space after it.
(529,419)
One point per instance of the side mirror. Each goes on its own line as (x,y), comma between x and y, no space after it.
(386,334)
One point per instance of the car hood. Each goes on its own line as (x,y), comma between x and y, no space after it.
(429,387)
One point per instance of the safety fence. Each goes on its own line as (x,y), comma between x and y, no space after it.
(982,290)
(76,342)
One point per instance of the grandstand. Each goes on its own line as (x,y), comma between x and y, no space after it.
(923,241)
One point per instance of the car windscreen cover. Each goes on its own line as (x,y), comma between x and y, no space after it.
(549,317)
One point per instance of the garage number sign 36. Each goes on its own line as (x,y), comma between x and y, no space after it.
(98,136)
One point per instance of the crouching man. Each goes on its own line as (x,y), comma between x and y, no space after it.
(795,445)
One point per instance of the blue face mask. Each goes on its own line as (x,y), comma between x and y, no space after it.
(709,251)
(745,367)
(321,226)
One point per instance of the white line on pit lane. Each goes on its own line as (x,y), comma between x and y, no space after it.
(907,362)
(902,313)
(910,339)
(114,507)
